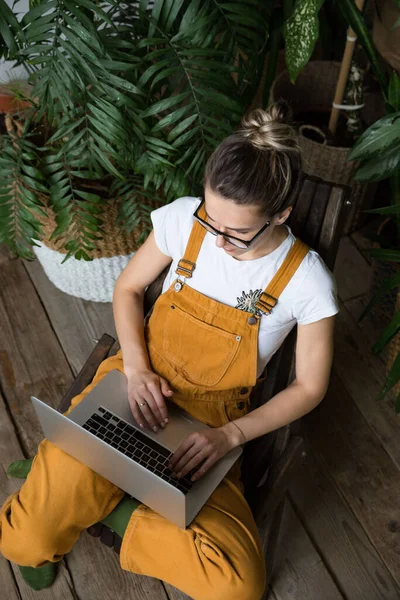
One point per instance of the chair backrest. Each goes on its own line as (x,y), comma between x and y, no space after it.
(318,219)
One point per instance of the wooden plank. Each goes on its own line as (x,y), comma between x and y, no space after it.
(114,582)
(273,491)
(371,327)
(333,225)
(77,323)
(301,209)
(352,271)
(31,360)
(299,570)
(363,471)
(5,254)
(34,363)
(362,373)
(9,586)
(363,236)
(12,585)
(175,594)
(341,541)
(313,223)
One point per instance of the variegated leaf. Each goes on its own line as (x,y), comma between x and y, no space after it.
(301,33)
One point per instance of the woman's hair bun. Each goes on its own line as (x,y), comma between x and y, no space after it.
(270,129)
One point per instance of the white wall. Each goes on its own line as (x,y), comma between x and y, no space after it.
(7,70)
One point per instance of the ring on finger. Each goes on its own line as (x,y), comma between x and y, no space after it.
(142,404)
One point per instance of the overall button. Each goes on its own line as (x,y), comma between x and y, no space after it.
(252,320)
(244,390)
(240,405)
(178,286)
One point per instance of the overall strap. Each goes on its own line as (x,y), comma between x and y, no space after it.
(187,264)
(274,289)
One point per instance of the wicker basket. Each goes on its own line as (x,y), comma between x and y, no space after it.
(90,280)
(313,92)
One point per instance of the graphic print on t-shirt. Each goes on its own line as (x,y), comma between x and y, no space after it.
(248,302)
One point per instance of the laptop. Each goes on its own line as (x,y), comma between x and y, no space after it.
(101,432)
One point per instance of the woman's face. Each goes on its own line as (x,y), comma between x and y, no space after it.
(241,221)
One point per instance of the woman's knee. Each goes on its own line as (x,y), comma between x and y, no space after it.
(238,577)
(31,544)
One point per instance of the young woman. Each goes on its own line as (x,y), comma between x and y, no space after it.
(237,284)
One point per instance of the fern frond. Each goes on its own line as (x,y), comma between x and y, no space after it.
(21,210)
(134,205)
(77,212)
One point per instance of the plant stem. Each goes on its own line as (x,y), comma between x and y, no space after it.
(275,37)
(356,21)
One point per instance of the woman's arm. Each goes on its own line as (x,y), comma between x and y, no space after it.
(314,353)
(144,385)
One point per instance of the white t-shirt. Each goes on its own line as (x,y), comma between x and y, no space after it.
(309,296)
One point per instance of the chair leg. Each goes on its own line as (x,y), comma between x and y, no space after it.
(271,544)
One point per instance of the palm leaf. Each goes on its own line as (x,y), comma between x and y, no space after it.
(379,137)
(383,254)
(380,166)
(10,31)
(21,209)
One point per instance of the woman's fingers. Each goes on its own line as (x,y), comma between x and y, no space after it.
(183,448)
(145,390)
(160,412)
(189,455)
(149,410)
(206,466)
(203,458)
(136,413)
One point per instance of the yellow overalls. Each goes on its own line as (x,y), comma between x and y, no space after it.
(207,351)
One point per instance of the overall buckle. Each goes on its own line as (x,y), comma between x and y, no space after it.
(266,303)
(186,270)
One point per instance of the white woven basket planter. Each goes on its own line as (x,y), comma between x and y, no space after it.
(90,280)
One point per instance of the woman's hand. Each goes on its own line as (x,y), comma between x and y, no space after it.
(146,391)
(203,448)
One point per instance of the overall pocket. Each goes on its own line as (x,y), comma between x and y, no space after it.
(202,353)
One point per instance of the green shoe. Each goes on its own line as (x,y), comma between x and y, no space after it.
(40,577)
(20,468)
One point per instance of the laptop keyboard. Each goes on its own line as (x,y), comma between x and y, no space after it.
(134,444)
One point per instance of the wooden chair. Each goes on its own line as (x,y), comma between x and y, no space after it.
(318,219)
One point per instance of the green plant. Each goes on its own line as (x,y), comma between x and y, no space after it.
(131,96)
(127,96)
(378,149)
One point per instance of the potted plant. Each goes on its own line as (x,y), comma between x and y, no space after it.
(347,89)
(378,149)
(127,101)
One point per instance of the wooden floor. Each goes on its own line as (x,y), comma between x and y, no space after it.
(341,531)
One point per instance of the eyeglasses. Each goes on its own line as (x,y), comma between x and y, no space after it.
(229,238)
